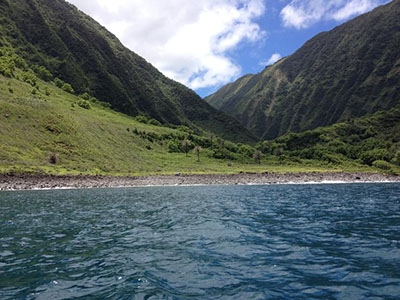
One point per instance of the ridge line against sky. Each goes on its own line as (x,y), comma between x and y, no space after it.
(206,44)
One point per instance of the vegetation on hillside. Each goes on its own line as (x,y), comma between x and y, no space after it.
(49,124)
(46,129)
(371,141)
(60,43)
(348,72)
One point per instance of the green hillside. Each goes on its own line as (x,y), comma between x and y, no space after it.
(74,101)
(44,129)
(348,72)
(372,140)
(58,42)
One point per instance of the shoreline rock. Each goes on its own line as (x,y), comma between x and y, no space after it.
(32,182)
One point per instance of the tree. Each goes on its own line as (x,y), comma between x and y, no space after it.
(197,150)
(257,156)
(186,146)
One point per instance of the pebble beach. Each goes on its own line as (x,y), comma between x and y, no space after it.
(31,182)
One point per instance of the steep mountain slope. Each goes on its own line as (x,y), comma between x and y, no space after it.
(348,72)
(58,41)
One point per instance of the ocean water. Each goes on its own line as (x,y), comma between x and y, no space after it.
(326,241)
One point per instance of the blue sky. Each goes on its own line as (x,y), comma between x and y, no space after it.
(205,44)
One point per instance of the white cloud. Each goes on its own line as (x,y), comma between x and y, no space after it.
(353,8)
(190,41)
(304,13)
(273,59)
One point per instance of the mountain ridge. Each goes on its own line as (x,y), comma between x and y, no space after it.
(348,72)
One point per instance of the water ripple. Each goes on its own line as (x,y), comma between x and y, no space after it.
(218,242)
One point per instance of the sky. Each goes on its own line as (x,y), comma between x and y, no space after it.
(205,44)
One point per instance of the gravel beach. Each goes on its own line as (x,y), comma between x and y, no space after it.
(30,182)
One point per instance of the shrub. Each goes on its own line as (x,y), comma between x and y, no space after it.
(105,104)
(223,153)
(53,158)
(20,62)
(67,88)
(330,158)
(396,158)
(29,78)
(381,164)
(232,147)
(337,146)
(246,150)
(142,119)
(154,122)
(184,128)
(58,82)
(84,104)
(174,146)
(368,157)
(9,61)
(6,67)
(43,73)
(85,96)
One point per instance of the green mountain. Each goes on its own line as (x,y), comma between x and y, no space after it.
(348,72)
(46,129)
(74,101)
(59,43)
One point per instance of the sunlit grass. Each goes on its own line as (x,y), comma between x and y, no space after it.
(51,134)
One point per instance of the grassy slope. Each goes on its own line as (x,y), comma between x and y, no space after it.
(87,141)
(33,127)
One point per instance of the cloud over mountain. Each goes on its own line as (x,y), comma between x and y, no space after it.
(304,13)
(189,41)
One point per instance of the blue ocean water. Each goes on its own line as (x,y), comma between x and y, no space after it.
(326,241)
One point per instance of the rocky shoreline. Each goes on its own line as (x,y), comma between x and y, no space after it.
(31,182)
